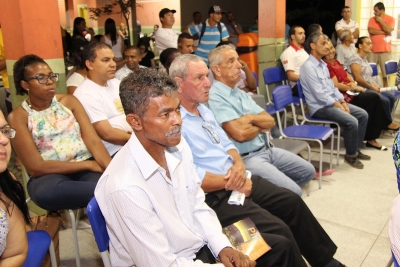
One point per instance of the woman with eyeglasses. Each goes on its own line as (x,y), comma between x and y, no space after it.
(14,213)
(56,141)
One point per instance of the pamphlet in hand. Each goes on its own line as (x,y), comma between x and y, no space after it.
(388,89)
(245,238)
(236,197)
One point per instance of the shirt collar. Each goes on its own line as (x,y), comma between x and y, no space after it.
(225,90)
(316,62)
(147,165)
(201,108)
(296,48)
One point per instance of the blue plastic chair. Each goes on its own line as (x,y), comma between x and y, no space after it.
(391,68)
(374,69)
(39,242)
(282,96)
(99,228)
(310,119)
(256,77)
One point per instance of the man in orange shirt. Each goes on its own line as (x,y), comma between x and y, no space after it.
(380,30)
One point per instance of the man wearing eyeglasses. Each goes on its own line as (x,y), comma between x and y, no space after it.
(99,95)
(280,215)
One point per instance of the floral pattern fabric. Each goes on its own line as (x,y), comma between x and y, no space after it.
(56,133)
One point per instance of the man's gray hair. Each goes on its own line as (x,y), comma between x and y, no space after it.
(138,87)
(215,57)
(313,39)
(344,34)
(179,67)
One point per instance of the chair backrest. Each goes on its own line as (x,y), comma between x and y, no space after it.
(260,100)
(98,224)
(300,91)
(273,75)
(374,69)
(282,96)
(390,67)
(38,245)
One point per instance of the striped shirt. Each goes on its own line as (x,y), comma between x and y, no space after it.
(210,38)
(153,220)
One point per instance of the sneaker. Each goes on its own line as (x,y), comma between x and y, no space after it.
(362,156)
(354,162)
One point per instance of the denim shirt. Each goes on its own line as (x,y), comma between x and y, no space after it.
(318,88)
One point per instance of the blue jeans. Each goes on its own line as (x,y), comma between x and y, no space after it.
(280,167)
(353,125)
(388,100)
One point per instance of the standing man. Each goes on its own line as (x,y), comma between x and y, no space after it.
(294,56)
(99,95)
(196,21)
(346,23)
(131,59)
(326,102)
(185,43)
(234,29)
(210,32)
(150,195)
(280,215)
(247,125)
(165,36)
(380,30)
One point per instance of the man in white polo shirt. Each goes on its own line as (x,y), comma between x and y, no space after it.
(347,24)
(294,56)
(165,36)
(99,95)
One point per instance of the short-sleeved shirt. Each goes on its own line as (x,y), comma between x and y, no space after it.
(229,104)
(343,54)
(318,88)
(210,38)
(292,59)
(380,42)
(366,70)
(202,143)
(166,38)
(342,25)
(103,103)
(336,70)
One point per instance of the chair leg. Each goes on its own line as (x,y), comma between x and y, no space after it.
(338,147)
(321,148)
(309,160)
(53,259)
(330,162)
(390,263)
(75,236)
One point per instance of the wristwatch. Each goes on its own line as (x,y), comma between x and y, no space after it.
(235,26)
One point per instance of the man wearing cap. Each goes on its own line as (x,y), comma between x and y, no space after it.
(214,32)
(165,36)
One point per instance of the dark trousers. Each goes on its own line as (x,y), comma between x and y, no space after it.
(377,119)
(57,191)
(284,221)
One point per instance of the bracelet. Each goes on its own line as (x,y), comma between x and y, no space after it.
(244,66)
(342,102)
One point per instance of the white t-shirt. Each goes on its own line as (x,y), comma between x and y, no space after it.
(103,103)
(166,38)
(75,79)
(292,59)
(342,25)
(124,71)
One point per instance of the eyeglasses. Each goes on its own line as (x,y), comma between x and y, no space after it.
(43,78)
(8,131)
(209,128)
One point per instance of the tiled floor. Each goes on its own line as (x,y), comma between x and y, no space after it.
(353,206)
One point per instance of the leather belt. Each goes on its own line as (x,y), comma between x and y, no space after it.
(245,154)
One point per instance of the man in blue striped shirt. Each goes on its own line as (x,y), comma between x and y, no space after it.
(212,33)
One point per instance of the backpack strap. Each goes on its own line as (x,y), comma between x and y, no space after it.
(203,29)
(220,31)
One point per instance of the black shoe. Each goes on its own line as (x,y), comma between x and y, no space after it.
(353,162)
(383,148)
(362,156)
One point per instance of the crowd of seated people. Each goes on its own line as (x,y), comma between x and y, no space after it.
(143,123)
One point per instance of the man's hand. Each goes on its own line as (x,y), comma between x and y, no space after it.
(339,106)
(378,19)
(246,188)
(236,176)
(232,258)
(346,107)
